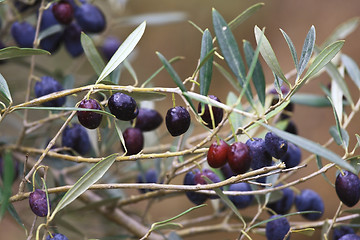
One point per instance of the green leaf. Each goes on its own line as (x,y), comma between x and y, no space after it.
(342,31)
(352,69)
(67,109)
(206,70)
(230,50)
(5,95)
(228,76)
(179,215)
(292,49)
(92,54)
(120,135)
(146,96)
(157,19)
(245,15)
(86,181)
(175,78)
(312,147)
(14,52)
(57,28)
(174,59)
(196,26)
(338,124)
(307,50)
(124,50)
(258,74)
(320,165)
(340,139)
(16,216)
(167,226)
(324,57)
(269,55)
(311,100)
(131,70)
(115,75)
(235,119)
(337,99)
(9,173)
(336,76)
(281,216)
(226,200)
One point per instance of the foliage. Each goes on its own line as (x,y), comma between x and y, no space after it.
(66,175)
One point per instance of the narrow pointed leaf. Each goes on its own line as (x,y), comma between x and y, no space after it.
(311,100)
(277,84)
(5,95)
(320,165)
(167,226)
(87,180)
(175,77)
(228,76)
(68,109)
(269,55)
(124,50)
(174,59)
(245,15)
(230,50)
(15,215)
(258,74)
(120,135)
(226,200)
(307,50)
(92,54)
(155,19)
(280,216)
(312,147)
(342,31)
(13,52)
(324,57)
(292,49)
(235,119)
(337,100)
(179,215)
(131,70)
(206,70)
(352,69)
(57,28)
(8,174)
(336,76)
(342,139)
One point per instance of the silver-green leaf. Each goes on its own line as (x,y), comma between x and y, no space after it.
(175,77)
(352,69)
(92,54)
(230,50)
(86,181)
(292,49)
(14,52)
(5,95)
(307,50)
(205,73)
(324,57)
(311,100)
(123,51)
(258,74)
(268,54)
(312,147)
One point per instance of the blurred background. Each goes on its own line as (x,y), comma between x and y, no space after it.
(182,39)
